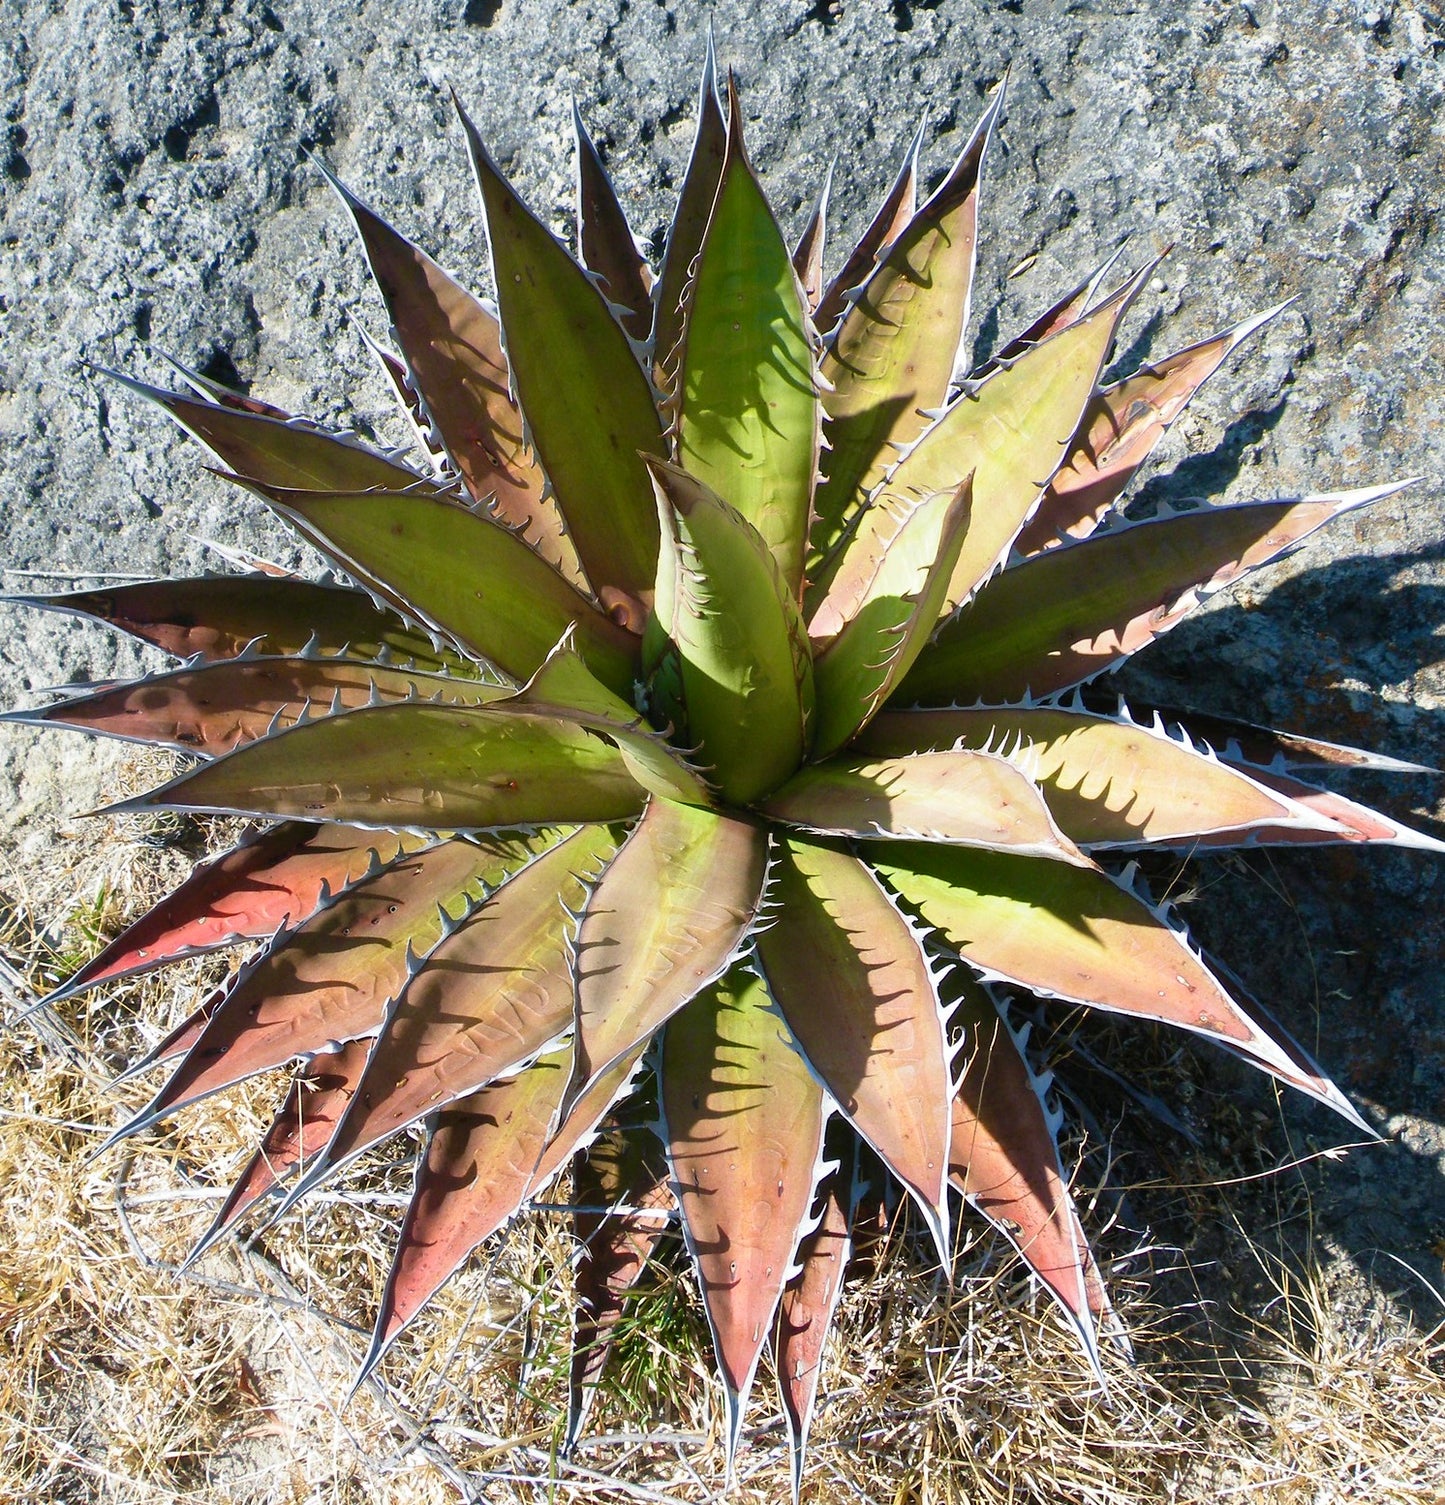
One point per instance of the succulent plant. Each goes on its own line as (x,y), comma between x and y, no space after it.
(697,718)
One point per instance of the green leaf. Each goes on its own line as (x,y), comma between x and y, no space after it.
(276,453)
(463,574)
(971,798)
(219,616)
(857,990)
(214,709)
(452,346)
(589,406)
(896,613)
(1107,781)
(564,687)
(689,224)
(1067,615)
(748,412)
(726,646)
(605,240)
(1070,932)
(665,919)
(1119,431)
(893,355)
(455,768)
(1010,434)
(743,1123)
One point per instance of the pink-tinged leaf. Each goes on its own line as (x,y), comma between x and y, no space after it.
(589,405)
(972,798)
(1070,613)
(1282,752)
(743,1122)
(892,217)
(224,396)
(1340,819)
(301,1129)
(605,240)
(274,453)
(452,346)
(491,996)
(507,605)
(413,409)
(220,616)
(576,1123)
(1058,316)
(625,1172)
(278,876)
(1005,1161)
(851,978)
(808,253)
(875,648)
(689,224)
(805,1312)
(663,922)
(1009,433)
(894,352)
(1108,781)
(333,978)
(219,707)
(1119,431)
(457,768)
(474,1175)
(1072,933)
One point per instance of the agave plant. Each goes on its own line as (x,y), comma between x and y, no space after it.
(694,719)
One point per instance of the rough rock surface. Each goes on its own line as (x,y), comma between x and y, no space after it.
(155,196)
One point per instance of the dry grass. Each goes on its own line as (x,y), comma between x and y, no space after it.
(124,1379)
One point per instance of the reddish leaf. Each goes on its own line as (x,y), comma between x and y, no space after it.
(1119,431)
(605,240)
(220,707)
(301,1129)
(278,876)
(219,616)
(854,984)
(743,1121)
(1005,1161)
(333,978)
(474,1175)
(489,997)
(899,206)
(620,1171)
(806,1312)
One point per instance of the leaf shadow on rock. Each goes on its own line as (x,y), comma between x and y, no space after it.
(1345,945)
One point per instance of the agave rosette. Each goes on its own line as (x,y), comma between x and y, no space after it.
(695,718)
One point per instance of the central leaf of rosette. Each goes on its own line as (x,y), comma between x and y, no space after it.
(726,651)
